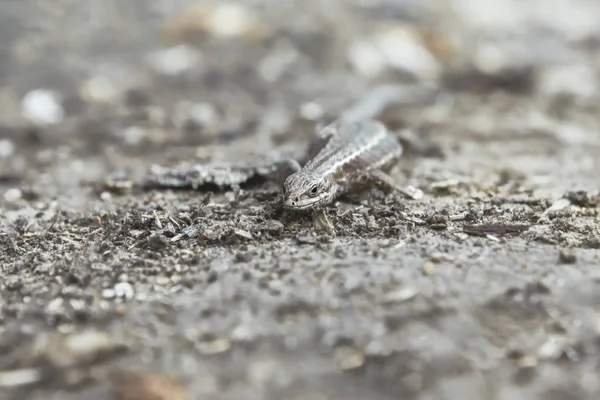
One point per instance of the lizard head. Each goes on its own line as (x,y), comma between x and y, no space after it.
(303,190)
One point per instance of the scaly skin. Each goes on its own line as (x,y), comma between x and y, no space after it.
(356,155)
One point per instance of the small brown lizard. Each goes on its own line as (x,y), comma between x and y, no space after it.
(356,155)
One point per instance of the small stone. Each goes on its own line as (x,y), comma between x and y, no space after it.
(20,377)
(106,196)
(162,281)
(272,226)
(243,333)
(366,59)
(244,256)
(230,20)
(137,385)
(157,242)
(413,381)
(204,114)
(124,290)
(403,51)
(176,60)
(566,257)
(312,111)
(558,205)
(55,306)
(243,234)
(349,358)
(377,349)
(552,349)
(413,192)
(108,293)
(43,107)
(527,361)
(440,257)
(84,347)
(400,295)
(444,186)
(214,346)
(428,269)
(133,135)
(100,88)
(7,148)
(13,195)
(577,80)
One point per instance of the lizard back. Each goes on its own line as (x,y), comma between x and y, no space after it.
(357,147)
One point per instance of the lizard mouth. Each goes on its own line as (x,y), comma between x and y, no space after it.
(301,204)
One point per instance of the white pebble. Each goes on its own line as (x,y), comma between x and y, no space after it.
(100,88)
(124,290)
(105,196)
(558,205)
(12,195)
(204,114)
(366,59)
(133,134)
(175,60)
(7,148)
(311,111)
(230,20)
(578,80)
(43,107)
(402,51)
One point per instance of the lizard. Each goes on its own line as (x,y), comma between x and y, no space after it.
(356,155)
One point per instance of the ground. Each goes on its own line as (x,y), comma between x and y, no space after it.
(487,288)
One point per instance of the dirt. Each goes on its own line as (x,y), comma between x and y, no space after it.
(487,288)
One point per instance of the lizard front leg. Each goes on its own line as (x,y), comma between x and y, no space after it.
(321,222)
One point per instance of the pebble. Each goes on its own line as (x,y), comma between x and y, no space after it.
(19,377)
(403,51)
(230,20)
(428,269)
(55,306)
(43,107)
(100,88)
(578,80)
(162,281)
(124,290)
(242,233)
(349,358)
(398,48)
(130,385)
(566,257)
(176,60)
(366,59)
(215,346)
(274,65)
(13,195)
(243,333)
(558,205)
(105,196)
(133,135)
(7,148)
(78,348)
(312,111)
(204,114)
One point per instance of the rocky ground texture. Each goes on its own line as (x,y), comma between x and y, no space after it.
(113,286)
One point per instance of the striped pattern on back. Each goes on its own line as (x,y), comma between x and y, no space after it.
(356,146)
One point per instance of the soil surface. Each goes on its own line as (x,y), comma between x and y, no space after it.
(486,288)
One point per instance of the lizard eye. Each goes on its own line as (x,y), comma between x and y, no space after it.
(314,190)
